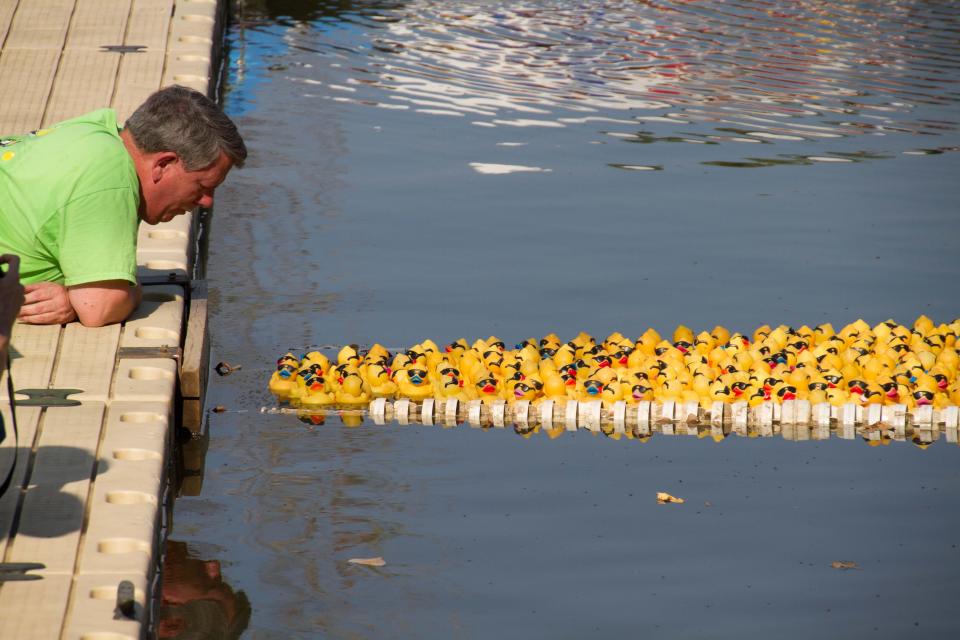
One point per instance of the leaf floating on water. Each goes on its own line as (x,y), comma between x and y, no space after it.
(225,368)
(844,564)
(368,562)
(664,498)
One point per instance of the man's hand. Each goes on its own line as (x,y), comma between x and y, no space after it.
(94,304)
(46,303)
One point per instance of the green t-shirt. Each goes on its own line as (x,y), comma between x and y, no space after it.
(68,202)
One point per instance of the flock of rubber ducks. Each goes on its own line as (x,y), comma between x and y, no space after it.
(885,364)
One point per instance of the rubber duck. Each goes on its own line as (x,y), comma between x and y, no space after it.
(315,393)
(378,378)
(837,396)
(524,391)
(349,354)
(350,389)
(283,379)
(315,357)
(817,390)
(554,387)
(717,392)
(449,383)
(413,383)
(487,388)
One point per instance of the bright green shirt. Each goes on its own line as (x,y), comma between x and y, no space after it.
(68,202)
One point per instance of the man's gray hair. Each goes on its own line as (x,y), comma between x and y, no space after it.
(190,124)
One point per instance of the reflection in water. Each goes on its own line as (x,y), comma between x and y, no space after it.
(197,603)
(879,433)
(739,73)
(322,238)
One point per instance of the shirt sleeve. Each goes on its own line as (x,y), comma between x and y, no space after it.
(97,237)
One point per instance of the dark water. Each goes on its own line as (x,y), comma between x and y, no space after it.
(734,163)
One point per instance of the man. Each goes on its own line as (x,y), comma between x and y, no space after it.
(72,196)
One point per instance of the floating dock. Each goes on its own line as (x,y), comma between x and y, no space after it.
(87,510)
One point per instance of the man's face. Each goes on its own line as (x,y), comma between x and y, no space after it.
(177,190)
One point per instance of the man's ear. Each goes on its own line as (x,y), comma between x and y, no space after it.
(162,163)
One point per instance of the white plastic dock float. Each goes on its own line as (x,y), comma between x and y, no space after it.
(90,508)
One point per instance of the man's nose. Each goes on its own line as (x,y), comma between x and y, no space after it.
(206,200)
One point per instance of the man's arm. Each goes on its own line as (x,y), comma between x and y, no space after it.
(94,304)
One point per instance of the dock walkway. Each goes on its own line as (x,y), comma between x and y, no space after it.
(96,407)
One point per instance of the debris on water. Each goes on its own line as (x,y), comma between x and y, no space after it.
(368,562)
(225,368)
(844,564)
(664,498)
(219,408)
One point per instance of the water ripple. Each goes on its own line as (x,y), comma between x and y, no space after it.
(742,71)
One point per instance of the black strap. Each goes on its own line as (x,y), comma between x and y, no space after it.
(16,434)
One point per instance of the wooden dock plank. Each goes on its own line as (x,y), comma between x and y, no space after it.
(52,514)
(196,349)
(26,77)
(87,357)
(96,23)
(34,610)
(84,82)
(40,25)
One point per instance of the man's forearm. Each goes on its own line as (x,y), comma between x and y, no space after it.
(97,306)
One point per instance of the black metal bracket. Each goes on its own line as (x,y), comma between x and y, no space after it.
(123,48)
(48,398)
(17,571)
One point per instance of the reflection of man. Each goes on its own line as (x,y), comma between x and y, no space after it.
(197,603)
(71,198)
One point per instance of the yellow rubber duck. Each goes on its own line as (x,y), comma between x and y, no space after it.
(351,390)
(413,383)
(381,384)
(488,388)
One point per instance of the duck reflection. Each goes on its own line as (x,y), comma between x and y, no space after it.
(196,602)
(876,434)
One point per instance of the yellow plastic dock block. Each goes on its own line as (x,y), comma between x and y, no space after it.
(27,420)
(148,24)
(145,380)
(92,608)
(96,23)
(138,76)
(157,321)
(40,25)
(52,514)
(26,77)
(86,361)
(34,610)
(35,349)
(84,82)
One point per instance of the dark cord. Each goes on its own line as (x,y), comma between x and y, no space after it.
(16,434)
